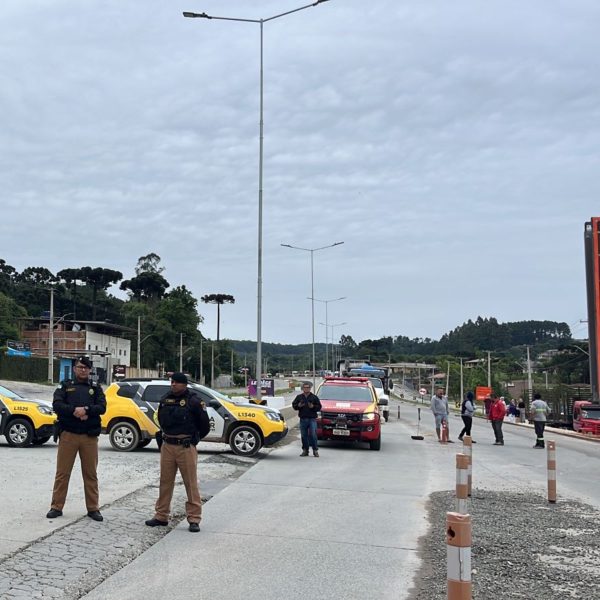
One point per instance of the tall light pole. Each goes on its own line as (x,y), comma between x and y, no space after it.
(333,345)
(51,339)
(261,22)
(326,302)
(312,294)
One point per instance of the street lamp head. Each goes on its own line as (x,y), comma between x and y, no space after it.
(193,15)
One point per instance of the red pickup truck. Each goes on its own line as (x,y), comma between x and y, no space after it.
(349,411)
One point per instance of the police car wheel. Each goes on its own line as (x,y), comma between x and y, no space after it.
(245,441)
(124,436)
(19,433)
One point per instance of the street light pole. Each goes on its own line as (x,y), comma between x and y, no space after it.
(261,22)
(333,344)
(51,339)
(326,302)
(312,295)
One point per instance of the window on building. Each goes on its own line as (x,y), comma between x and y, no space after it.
(96,347)
(89,346)
(124,352)
(120,352)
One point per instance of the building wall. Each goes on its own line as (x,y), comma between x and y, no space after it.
(119,348)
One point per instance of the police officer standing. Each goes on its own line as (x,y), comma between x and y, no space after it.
(183,422)
(78,403)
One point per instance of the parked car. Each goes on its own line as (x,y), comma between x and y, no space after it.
(349,412)
(132,403)
(25,422)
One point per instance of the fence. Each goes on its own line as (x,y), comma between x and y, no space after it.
(22,368)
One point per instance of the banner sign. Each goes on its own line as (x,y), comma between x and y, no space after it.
(267,387)
(18,348)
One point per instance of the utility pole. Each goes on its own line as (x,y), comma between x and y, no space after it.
(139,344)
(462,387)
(212,365)
(448,379)
(181,352)
(232,367)
(201,366)
(51,339)
(529,380)
(489,371)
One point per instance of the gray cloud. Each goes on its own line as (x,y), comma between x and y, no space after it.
(452,147)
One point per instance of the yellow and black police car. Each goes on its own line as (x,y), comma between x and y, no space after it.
(132,403)
(25,422)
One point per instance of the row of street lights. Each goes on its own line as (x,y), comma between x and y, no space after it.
(312,295)
(260,22)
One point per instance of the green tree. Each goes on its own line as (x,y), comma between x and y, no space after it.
(10,312)
(98,279)
(219,300)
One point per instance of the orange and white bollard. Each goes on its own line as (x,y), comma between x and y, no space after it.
(551,446)
(462,483)
(468,450)
(458,544)
(444,431)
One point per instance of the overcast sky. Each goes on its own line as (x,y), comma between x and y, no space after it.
(454,147)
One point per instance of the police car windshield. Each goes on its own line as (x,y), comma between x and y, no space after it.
(376,382)
(10,394)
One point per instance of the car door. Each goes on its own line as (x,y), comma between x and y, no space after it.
(149,398)
(215,415)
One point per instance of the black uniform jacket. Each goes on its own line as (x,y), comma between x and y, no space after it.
(301,402)
(183,415)
(73,393)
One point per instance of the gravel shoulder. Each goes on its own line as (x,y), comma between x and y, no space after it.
(512,557)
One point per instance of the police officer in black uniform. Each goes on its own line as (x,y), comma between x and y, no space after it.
(79,403)
(183,422)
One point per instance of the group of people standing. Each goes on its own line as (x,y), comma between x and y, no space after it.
(79,404)
(496,411)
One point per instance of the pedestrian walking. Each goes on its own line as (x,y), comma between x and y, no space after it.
(183,422)
(78,404)
(512,411)
(308,405)
(539,412)
(497,413)
(467,410)
(439,408)
(522,410)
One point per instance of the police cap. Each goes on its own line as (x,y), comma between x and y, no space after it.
(84,360)
(179,378)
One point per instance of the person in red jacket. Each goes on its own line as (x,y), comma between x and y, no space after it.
(497,412)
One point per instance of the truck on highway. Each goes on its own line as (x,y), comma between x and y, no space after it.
(359,367)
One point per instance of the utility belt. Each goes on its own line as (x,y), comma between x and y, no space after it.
(186,442)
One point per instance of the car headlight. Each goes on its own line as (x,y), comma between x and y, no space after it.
(273,416)
(368,416)
(44,409)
